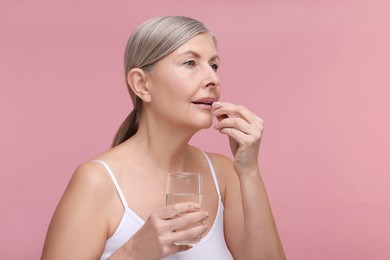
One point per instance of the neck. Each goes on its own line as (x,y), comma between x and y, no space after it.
(162,145)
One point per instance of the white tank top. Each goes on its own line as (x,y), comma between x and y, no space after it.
(212,246)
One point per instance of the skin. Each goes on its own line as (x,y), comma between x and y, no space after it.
(168,121)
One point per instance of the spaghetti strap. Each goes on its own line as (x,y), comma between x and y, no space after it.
(213,173)
(118,189)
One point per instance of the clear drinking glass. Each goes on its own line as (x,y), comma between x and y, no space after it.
(184,187)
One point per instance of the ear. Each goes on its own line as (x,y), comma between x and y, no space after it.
(137,80)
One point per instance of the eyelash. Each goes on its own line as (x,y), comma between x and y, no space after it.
(192,63)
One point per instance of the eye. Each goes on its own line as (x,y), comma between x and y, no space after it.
(190,63)
(214,67)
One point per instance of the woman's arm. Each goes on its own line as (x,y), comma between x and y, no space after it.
(79,227)
(250,228)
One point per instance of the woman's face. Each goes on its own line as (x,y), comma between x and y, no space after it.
(184,84)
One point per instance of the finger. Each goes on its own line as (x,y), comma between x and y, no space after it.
(181,248)
(217,113)
(221,109)
(221,117)
(188,219)
(176,209)
(173,249)
(235,134)
(253,136)
(188,234)
(236,123)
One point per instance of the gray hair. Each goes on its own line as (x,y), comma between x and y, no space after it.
(150,42)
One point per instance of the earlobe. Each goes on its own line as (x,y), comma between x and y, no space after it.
(137,81)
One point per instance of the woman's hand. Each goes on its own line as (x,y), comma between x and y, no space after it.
(244,130)
(250,228)
(157,237)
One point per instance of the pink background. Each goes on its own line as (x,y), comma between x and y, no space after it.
(317,72)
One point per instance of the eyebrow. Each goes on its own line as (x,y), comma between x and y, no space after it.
(197,55)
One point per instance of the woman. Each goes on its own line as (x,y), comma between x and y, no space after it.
(114,206)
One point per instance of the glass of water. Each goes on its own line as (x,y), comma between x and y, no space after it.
(184,187)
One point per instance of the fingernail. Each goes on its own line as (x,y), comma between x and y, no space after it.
(197,205)
(216,104)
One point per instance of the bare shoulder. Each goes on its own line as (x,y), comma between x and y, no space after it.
(225,172)
(74,228)
(221,163)
(90,185)
(91,175)
(219,158)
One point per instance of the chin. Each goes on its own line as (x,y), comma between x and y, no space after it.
(199,123)
(205,124)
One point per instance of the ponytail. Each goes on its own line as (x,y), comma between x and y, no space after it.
(130,126)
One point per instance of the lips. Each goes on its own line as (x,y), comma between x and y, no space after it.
(204,101)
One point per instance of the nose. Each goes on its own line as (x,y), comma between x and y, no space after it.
(211,78)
